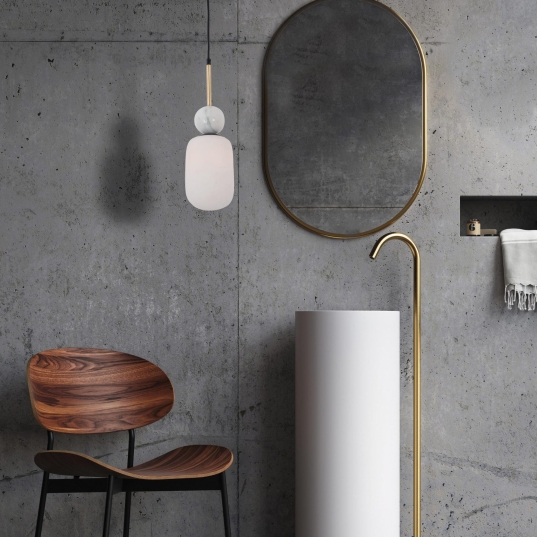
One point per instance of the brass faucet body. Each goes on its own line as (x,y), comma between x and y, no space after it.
(417,366)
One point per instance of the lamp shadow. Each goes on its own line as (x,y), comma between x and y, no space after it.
(126,186)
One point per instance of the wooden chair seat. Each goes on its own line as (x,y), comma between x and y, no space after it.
(181,463)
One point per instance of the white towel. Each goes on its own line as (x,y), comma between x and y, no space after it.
(519,248)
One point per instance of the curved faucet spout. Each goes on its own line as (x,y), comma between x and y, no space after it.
(417,365)
(391,236)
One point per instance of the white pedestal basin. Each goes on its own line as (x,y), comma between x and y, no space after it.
(347,424)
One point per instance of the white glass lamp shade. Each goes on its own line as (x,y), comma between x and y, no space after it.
(209,176)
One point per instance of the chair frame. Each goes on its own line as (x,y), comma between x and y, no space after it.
(114,485)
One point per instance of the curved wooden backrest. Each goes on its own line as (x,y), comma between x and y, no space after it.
(83,391)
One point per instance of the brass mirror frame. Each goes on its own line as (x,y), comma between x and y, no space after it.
(424,130)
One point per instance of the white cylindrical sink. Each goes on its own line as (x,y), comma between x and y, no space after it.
(347,424)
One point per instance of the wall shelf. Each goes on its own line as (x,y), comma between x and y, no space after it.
(499,212)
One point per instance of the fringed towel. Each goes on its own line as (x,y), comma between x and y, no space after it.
(519,248)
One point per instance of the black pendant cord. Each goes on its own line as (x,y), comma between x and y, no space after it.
(208,34)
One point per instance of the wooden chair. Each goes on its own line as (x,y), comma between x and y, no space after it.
(86,391)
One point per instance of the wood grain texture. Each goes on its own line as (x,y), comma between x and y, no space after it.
(81,391)
(181,463)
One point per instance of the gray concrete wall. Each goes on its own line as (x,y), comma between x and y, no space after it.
(98,247)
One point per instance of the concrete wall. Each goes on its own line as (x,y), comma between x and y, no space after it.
(99,247)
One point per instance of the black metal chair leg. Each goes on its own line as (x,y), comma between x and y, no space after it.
(127,519)
(108,508)
(128,495)
(225,505)
(42,501)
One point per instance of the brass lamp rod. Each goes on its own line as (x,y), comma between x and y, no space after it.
(417,366)
(209,85)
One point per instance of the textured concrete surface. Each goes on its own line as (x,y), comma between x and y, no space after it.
(85,259)
(102,20)
(100,248)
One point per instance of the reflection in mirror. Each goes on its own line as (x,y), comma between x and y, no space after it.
(344,117)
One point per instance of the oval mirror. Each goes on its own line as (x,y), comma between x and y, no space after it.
(344,117)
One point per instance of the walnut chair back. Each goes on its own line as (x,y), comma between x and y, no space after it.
(84,391)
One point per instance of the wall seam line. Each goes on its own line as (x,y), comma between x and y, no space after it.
(238,282)
(122,41)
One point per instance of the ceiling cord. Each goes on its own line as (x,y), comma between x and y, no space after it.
(208,35)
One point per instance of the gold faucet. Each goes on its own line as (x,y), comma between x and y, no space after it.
(417,366)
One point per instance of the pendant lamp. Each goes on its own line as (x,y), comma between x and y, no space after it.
(209,176)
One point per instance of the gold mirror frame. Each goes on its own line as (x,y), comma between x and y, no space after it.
(424,131)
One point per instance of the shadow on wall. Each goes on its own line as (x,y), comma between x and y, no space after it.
(125,174)
(267,490)
(17,415)
(497,289)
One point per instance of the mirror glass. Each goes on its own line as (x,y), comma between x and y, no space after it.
(344,145)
